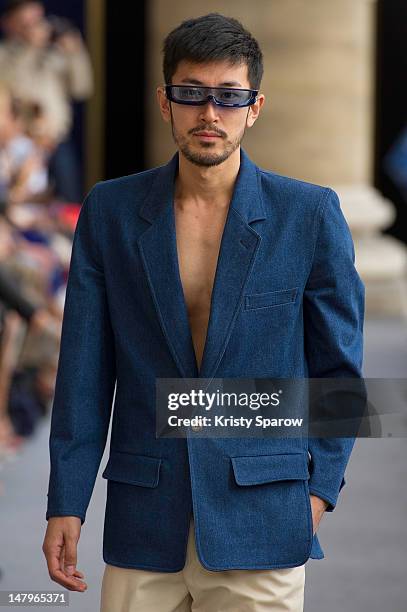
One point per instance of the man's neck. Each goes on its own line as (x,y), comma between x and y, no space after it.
(206,187)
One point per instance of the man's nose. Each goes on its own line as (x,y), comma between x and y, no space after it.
(209,111)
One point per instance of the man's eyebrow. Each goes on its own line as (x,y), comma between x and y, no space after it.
(225,84)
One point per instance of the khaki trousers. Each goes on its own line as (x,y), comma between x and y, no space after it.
(195,589)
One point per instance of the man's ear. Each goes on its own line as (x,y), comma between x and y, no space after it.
(254,110)
(164,104)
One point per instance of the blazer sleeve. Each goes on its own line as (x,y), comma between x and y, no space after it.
(86,374)
(333,335)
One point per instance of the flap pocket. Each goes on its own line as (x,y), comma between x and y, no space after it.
(270,298)
(133,469)
(259,469)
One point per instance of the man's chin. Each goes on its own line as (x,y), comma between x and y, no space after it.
(205,158)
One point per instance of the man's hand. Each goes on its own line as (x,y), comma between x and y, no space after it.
(318,507)
(59,548)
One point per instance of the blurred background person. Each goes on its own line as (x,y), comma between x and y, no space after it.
(46,63)
(23,164)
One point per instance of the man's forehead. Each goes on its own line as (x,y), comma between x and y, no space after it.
(212,74)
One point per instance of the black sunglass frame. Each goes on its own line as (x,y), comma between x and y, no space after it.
(211,97)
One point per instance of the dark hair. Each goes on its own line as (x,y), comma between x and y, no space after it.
(212,37)
(9,6)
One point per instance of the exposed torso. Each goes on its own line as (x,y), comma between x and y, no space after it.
(198,242)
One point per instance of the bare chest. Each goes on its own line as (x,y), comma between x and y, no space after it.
(198,245)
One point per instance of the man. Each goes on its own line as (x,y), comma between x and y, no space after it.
(205,267)
(46,64)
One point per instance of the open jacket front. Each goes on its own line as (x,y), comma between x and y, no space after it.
(286,302)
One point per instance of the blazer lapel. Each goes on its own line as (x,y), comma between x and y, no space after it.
(238,249)
(160,259)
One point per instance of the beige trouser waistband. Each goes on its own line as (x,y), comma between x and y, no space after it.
(196,589)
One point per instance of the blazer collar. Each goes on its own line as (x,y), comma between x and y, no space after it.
(247,198)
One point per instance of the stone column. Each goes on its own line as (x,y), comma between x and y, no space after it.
(317,123)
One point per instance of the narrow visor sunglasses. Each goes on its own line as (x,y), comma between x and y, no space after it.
(196,95)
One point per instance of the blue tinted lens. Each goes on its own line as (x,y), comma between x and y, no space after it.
(233,96)
(226,96)
(189,94)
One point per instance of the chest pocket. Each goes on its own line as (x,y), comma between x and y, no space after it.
(269,299)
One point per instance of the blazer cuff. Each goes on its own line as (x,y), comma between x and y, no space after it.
(328,497)
(51,513)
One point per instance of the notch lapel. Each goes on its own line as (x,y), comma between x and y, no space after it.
(238,249)
(159,255)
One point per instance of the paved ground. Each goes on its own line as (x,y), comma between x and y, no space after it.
(364,539)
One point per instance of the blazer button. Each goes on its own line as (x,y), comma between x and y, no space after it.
(196,427)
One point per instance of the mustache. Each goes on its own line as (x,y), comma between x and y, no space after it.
(208,128)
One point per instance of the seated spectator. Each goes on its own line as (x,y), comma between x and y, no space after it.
(23,170)
(44,60)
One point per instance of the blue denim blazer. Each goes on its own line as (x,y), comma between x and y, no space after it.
(285,243)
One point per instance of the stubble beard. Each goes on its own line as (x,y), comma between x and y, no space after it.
(206,158)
